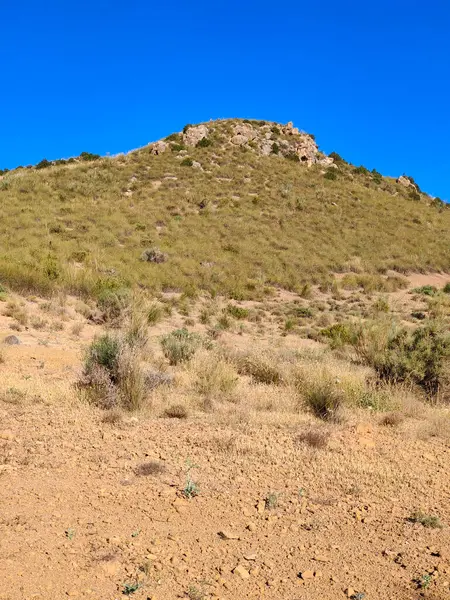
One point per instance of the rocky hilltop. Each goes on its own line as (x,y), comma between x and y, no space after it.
(265,138)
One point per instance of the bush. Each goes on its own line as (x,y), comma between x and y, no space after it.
(426,290)
(44,164)
(204,143)
(88,156)
(180,345)
(153,255)
(113,302)
(238,312)
(397,355)
(187,162)
(104,352)
(112,375)
(361,170)
(326,399)
(186,127)
(331,175)
(214,376)
(339,334)
(336,157)
(293,156)
(261,367)
(446,288)
(177,147)
(376,176)
(275,148)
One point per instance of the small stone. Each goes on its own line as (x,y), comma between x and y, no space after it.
(6,435)
(254,571)
(228,535)
(260,507)
(251,556)
(242,572)
(11,340)
(251,527)
(307,574)
(350,592)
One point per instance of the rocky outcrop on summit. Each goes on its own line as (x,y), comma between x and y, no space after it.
(264,138)
(406,182)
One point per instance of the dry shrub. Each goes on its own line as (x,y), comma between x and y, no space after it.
(112,374)
(213,375)
(176,411)
(114,416)
(131,379)
(392,419)
(262,366)
(437,425)
(151,467)
(180,346)
(316,438)
(16,312)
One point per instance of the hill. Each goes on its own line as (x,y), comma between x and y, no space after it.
(232,207)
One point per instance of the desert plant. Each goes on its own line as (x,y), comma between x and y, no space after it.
(316,438)
(153,255)
(238,312)
(204,143)
(331,175)
(426,290)
(187,162)
(176,411)
(113,302)
(398,355)
(180,345)
(262,367)
(430,521)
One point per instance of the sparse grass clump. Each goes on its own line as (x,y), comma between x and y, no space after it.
(180,346)
(261,366)
(316,438)
(429,521)
(238,312)
(176,411)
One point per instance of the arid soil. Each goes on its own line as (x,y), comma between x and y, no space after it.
(97,509)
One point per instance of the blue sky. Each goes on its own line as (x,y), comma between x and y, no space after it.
(370,79)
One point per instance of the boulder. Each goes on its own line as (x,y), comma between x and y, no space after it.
(402,180)
(193,135)
(158,147)
(11,340)
(243,133)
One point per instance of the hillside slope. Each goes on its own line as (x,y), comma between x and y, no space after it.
(234,207)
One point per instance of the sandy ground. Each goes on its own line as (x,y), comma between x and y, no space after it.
(96,510)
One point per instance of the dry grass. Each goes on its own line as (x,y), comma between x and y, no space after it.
(315,438)
(176,411)
(149,468)
(239,247)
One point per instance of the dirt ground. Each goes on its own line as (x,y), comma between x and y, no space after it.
(95,510)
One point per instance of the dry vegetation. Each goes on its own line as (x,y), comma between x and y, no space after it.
(240,225)
(271,375)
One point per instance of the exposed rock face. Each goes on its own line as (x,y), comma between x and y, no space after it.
(158,147)
(402,180)
(193,135)
(243,133)
(264,138)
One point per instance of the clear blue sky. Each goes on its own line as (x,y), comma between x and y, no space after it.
(370,79)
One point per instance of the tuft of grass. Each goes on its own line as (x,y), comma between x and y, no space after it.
(316,438)
(271,501)
(151,467)
(180,345)
(429,521)
(176,411)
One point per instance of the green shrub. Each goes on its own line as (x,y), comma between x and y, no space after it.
(186,127)
(426,290)
(377,177)
(446,288)
(292,156)
(43,164)
(177,147)
(104,352)
(339,334)
(336,157)
(275,148)
(361,170)
(180,345)
(187,162)
(331,175)
(204,143)
(262,367)
(397,355)
(238,312)
(88,156)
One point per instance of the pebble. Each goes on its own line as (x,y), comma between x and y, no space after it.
(307,574)
(251,527)
(228,535)
(242,572)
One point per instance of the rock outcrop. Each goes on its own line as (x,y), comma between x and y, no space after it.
(194,134)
